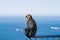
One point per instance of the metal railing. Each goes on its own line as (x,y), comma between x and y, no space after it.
(47,37)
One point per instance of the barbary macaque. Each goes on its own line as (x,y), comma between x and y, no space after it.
(30,30)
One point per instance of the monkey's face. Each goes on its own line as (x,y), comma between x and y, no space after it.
(27,18)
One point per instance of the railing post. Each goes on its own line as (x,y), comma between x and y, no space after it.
(35,38)
(59,38)
(47,38)
(41,38)
(53,38)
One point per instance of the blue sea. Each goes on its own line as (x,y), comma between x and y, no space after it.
(9,24)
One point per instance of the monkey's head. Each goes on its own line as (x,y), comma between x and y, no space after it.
(28,17)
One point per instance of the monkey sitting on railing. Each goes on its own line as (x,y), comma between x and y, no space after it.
(30,30)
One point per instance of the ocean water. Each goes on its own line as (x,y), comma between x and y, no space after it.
(8,27)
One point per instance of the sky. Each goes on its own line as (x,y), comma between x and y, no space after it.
(33,7)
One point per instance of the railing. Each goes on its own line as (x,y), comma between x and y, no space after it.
(47,37)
